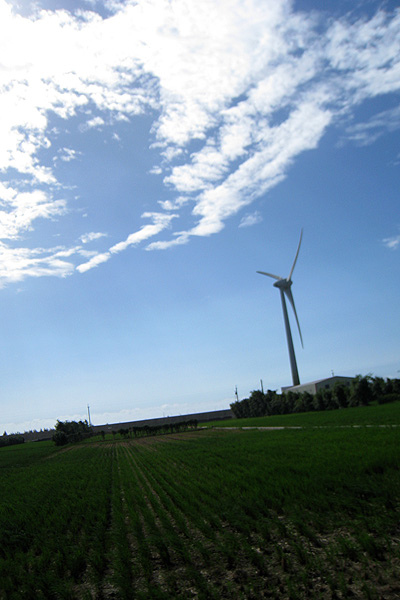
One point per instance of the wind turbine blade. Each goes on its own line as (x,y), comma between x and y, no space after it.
(289,295)
(295,259)
(277,277)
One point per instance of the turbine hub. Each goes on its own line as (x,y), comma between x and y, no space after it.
(283,284)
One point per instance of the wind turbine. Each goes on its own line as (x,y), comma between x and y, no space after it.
(284,286)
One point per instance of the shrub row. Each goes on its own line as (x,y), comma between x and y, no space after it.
(10,440)
(361,392)
(148,430)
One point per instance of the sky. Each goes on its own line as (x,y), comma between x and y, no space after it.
(155,154)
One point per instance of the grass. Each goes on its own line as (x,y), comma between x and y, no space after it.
(293,513)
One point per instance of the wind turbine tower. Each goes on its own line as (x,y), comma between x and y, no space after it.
(284,286)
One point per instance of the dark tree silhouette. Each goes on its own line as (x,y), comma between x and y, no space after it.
(71,431)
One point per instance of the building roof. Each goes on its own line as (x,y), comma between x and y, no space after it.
(316,382)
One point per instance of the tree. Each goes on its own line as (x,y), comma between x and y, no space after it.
(341,394)
(285,404)
(70,432)
(318,401)
(361,392)
(123,432)
(240,408)
(258,404)
(329,400)
(60,438)
(378,387)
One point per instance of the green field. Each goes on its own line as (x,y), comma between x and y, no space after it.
(294,513)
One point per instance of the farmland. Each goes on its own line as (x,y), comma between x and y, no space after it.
(296,513)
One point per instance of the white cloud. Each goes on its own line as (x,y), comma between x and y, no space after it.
(19,210)
(180,239)
(367,54)
(368,132)
(95,261)
(393,242)
(18,263)
(93,123)
(90,237)
(174,204)
(276,149)
(88,63)
(251,82)
(250,219)
(67,154)
(160,222)
(156,170)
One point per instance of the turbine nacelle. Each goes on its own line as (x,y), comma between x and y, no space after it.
(283,284)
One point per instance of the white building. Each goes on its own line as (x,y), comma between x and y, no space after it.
(321,384)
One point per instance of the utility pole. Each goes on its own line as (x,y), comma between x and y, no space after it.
(88,411)
(262,387)
(236,394)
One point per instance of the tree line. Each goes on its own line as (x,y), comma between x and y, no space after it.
(361,392)
(148,430)
(10,440)
(68,432)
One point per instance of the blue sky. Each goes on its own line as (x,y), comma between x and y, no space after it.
(154,156)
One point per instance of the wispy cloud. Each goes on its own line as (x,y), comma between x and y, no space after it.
(95,261)
(255,84)
(160,222)
(92,123)
(368,132)
(19,210)
(18,263)
(90,237)
(66,155)
(392,242)
(250,219)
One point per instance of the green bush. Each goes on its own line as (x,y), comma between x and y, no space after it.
(387,398)
(71,431)
(11,440)
(60,438)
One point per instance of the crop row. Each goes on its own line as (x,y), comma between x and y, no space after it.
(205,514)
(51,512)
